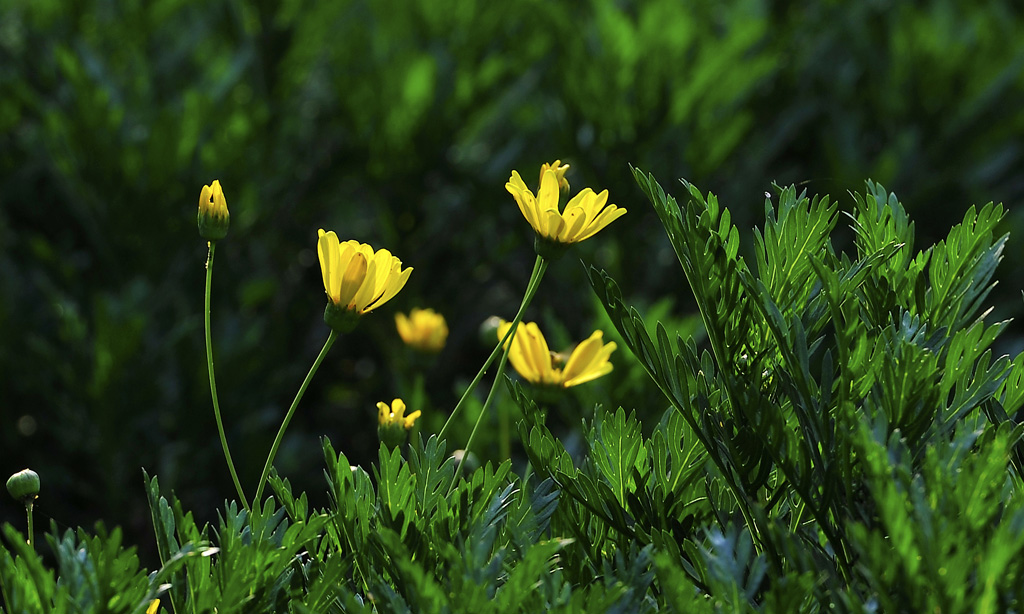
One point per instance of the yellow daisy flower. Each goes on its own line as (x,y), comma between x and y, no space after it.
(423,329)
(538,365)
(357,279)
(213,212)
(585,214)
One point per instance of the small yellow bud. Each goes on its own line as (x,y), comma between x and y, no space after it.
(392,423)
(563,183)
(214,218)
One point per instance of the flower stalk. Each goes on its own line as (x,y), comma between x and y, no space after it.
(213,379)
(540,266)
(291,412)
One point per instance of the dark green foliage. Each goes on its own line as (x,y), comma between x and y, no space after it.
(854,402)
(844,438)
(94,573)
(399,122)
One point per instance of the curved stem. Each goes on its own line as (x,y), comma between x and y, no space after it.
(531,289)
(213,380)
(291,411)
(539,266)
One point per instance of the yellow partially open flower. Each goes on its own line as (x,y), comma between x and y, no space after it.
(357,279)
(423,329)
(563,183)
(585,214)
(395,414)
(392,423)
(538,365)
(214,218)
(153,606)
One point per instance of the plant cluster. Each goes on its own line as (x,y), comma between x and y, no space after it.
(114,112)
(843,438)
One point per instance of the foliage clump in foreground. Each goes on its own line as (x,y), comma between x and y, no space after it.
(846,440)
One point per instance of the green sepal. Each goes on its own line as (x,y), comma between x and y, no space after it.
(213,227)
(392,435)
(549,249)
(341,320)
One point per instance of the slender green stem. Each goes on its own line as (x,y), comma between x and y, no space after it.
(31,525)
(213,380)
(539,266)
(531,289)
(291,411)
(479,419)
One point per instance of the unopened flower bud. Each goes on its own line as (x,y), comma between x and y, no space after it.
(392,423)
(214,218)
(560,170)
(468,461)
(24,485)
(488,329)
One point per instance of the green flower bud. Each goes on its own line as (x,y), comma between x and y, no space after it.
(469,461)
(488,329)
(24,485)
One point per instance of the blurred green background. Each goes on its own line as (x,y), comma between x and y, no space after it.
(397,123)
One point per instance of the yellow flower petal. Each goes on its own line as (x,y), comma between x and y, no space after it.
(368,290)
(596,203)
(598,371)
(328,250)
(575,223)
(551,225)
(352,279)
(580,200)
(532,349)
(588,361)
(205,198)
(607,216)
(547,196)
(524,198)
(394,284)
(521,353)
(410,420)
